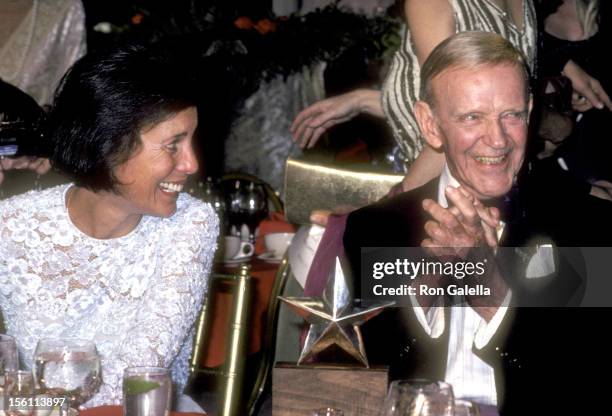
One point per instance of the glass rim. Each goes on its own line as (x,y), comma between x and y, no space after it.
(18,373)
(421,385)
(140,370)
(65,341)
(466,403)
(419,382)
(328,410)
(7,338)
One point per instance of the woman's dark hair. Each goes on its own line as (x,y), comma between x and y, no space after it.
(104,102)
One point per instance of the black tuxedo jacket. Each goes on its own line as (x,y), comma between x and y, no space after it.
(542,357)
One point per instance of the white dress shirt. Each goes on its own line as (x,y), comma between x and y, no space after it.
(470,377)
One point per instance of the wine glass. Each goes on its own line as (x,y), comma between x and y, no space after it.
(257,208)
(247,204)
(18,393)
(419,398)
(8,354)
(67,368)
(236,205)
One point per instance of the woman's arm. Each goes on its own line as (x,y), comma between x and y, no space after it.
(429,23)
(588,91)
(310,124)
(427,166)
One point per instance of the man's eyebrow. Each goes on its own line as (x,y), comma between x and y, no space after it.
(516,110)
(459,114)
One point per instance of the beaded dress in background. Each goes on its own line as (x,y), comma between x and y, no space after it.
(49,39)
(259,141)
(137,297)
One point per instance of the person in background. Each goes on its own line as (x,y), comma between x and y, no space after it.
(570,44)
(367,7)
(573,38)
(39,41)
(121,256)
(427,24)
(19,109)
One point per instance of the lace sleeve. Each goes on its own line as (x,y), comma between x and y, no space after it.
(169,305)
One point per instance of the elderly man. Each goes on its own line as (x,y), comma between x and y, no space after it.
(474,107)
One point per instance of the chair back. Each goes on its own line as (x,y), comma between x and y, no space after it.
(228,378)
(264,370)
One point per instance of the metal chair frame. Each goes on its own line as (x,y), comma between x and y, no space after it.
(269,340)
(232,371)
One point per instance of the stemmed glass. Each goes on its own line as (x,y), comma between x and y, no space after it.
(419,398)
(67,368)
(8,354)
(18,390)
(247,204)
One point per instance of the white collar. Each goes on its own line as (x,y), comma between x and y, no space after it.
(446,179)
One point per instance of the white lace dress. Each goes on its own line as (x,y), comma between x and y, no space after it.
(137,297)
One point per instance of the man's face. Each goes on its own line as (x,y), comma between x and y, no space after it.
(480,122)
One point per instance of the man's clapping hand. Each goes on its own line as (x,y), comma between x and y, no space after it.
(465,224)
(467,230)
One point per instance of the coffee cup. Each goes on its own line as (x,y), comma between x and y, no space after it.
(277,243)
(234,248)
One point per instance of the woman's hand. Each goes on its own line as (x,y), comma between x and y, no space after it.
(316,119)
(39,165)
(588,92)
(320,217)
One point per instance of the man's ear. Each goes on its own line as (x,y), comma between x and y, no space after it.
(530,106)
(428,125)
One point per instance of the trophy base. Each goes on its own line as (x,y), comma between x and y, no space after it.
(298,390)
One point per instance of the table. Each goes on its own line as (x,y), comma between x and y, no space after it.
(118,411)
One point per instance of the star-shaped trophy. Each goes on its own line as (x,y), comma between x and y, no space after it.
(334,320)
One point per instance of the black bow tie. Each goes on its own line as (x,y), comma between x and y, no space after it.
(508,205)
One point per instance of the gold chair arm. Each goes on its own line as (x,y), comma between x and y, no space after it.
(236,360)
(232,373)
(269,339)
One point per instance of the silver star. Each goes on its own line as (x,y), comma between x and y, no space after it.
(333,319)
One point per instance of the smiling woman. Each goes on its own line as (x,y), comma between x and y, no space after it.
(121,256)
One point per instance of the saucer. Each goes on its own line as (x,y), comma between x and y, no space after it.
(270,258)
(237,260)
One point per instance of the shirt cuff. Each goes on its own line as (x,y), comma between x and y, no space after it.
(433,323)
(486,330)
